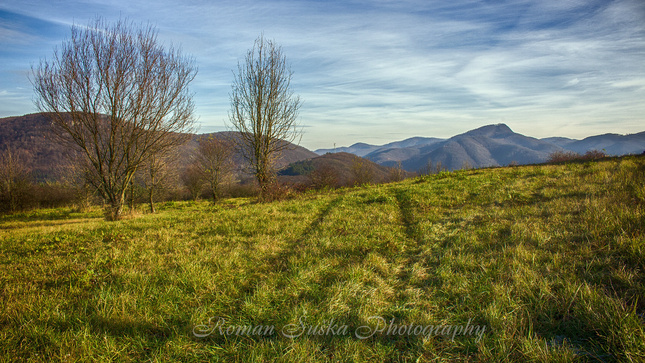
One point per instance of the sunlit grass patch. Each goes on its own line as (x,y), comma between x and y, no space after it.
(549,259)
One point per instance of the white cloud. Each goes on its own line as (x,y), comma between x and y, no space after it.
(410,67)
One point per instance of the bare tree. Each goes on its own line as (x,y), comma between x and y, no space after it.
(362,171)
(14,176)
(466,165)
(157,175)
(397,173)
(214,160)
(116,94)
(193,179)
(75,175)
(324,176)
(427,169)
(439,167)
(264,109)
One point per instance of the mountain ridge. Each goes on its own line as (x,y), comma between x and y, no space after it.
(488,145)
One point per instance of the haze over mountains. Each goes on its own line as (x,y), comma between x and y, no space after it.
(492,145)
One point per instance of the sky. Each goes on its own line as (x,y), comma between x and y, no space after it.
(378,71)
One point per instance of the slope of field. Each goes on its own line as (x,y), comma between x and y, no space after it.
(532,263)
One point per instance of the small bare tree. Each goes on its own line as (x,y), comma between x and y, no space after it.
(75,175)
(157,175)
(214,160)
(324,176)
(427,169)
(362,171)
(117,95)
(264,109)
(14,176)
(397,173)
(193,179)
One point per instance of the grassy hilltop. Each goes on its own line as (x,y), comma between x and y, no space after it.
(547,262)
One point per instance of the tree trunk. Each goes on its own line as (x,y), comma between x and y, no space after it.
(265,181)
(151,200)
(132,194)
(114,212)
(215,193)
(13,197)
(115,208)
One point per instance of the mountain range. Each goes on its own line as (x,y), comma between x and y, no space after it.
(491,145)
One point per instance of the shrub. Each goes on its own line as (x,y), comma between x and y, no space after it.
(242,190)
(193,180)
(277,191)
(324,176)
(562,156)
(362,172)
(397,173)
(594,155)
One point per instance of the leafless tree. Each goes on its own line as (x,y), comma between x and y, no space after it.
(362,171)
(397,173)
(324,176)
(264,109)
(214,160)
(466,165)
(193,179)
(119,96)
(439,167)
(75,174)
(157,175)
(427,169)
(14,176)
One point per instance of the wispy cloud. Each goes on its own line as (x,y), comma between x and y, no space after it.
(407,68)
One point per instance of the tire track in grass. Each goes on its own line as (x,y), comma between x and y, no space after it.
(416,244)
(406,209)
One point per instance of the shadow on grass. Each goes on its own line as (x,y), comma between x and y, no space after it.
(46,223)
(413,255)
(406,208)
(293,248)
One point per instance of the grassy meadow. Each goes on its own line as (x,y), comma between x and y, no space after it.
(529,263)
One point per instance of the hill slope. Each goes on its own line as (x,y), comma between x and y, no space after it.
(363,149)
(532,263)
(33,134)
(492,145)
(612,144)
(340,164)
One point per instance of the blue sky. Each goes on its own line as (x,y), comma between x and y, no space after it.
(383,70)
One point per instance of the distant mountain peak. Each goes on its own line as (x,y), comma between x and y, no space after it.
(495,131)
(362,145)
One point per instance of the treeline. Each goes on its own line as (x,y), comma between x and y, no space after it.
(209,173)
(564,156)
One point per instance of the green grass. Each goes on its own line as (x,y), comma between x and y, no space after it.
(546,261)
